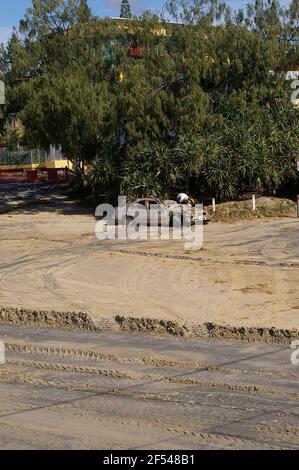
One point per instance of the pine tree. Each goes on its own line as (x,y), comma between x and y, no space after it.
(125,9)
(84,12)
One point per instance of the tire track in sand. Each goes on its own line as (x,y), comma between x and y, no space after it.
(136,279)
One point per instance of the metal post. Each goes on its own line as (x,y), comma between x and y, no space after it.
(253,202)
(214,204)
(298,205)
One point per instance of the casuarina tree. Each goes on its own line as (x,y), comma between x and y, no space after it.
(197,109)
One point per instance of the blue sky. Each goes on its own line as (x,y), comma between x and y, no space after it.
(11,11)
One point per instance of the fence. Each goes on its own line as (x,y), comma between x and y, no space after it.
(12,176)
(34,176)
(15,160)
(29,156)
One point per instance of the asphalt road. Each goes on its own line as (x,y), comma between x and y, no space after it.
(67,390)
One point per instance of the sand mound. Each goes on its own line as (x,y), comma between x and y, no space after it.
(83,321)
(265,207)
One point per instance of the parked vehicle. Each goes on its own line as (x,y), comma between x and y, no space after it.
(167,212)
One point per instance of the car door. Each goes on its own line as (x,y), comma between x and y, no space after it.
(140,207)
(157,213)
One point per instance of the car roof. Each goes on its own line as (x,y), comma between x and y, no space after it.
(148,199)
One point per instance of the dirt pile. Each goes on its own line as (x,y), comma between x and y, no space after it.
(241,210)
(251,334)
(83,321)
(46,318)
(143,325)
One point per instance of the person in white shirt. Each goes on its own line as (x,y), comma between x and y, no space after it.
(182,198)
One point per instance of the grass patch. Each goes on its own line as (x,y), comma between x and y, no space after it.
(242,210)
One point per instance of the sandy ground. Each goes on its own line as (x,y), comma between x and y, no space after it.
(70,390)
(246,275)
(92,390)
